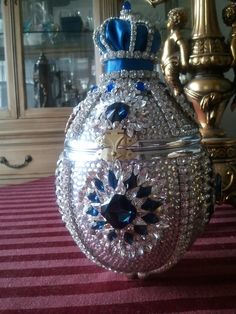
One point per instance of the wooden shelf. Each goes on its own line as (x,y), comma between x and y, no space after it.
(79,43)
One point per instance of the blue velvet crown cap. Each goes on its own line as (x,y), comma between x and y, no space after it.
(128,42)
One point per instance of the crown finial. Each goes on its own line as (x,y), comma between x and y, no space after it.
(128,42)
(126,6)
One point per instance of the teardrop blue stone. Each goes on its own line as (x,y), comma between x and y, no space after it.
(92,211)
(99,185)
(112,179)
(93,197)
(151,205)
(131,183)
(98,225)
(150,218)
(144,191)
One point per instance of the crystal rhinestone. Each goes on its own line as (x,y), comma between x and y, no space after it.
(110,87)
(112,179)
(151,205)
(92,211)
(126,6)
(141,229)
(128,237)
(111,235)
(93,197)
(144,191)
(150,218)
(140,86)
(131,182)
(98,225)
(119,212)
(99,185)
(117,112)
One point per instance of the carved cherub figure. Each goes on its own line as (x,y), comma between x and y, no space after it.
(175,52)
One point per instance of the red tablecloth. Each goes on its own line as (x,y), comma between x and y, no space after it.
(42,271)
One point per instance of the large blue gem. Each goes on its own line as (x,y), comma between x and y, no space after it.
(151,205)
(117,112)
(126,6)
(119,212)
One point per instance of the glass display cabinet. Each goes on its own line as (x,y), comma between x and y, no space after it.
(47,65)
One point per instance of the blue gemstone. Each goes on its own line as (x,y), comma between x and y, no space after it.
(117,112)
(98,225)
(119,212)
(112,235)
(92,211)
(141,229)
(151,205)
(126,6)
(93,197)
(144,191)
(131,183)
(140,86)
(93,88)
(150,218)
(110,87)
(99,185)
(128,237)
(112,179)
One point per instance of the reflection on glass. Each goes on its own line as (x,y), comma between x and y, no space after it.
(3,69)
(158,15)
(58,51)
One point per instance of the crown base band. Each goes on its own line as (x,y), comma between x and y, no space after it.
(117,65)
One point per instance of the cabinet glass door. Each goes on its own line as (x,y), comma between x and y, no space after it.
(158,15)
(58,52)
(4,109)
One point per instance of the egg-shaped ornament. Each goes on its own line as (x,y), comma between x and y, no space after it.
(133,184)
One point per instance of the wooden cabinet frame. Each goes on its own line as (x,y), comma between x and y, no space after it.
(22,131)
